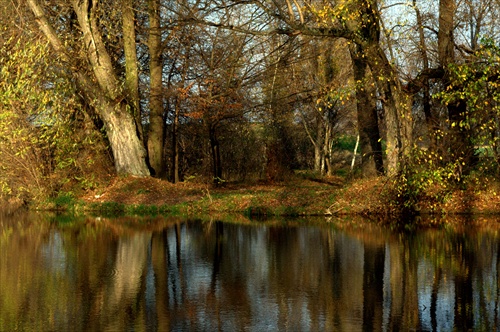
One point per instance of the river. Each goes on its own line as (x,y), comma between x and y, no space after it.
(59,273)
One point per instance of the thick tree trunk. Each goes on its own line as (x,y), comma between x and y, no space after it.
(398,127)
(397,109)
(100,60)
(445,32)
(426,99)
(156,133)
(366,37)
(128,151)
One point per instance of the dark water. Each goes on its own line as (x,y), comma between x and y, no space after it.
(97,274)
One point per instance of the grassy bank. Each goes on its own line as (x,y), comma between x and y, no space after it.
(304,195)
(131,195)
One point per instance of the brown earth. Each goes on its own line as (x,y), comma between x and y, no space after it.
(311,196)
(145,190)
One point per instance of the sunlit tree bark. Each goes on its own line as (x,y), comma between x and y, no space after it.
(394,101)
(131,62)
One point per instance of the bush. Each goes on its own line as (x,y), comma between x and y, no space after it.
(47,142)
(64,201)
(424,182)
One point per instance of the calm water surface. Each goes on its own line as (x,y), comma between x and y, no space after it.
(99,274)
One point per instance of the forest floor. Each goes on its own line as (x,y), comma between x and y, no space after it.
(299,196)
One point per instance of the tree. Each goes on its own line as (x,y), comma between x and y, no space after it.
(98,81)
(156,130)
(368,126)
(446,55)
(357,21)
(447,140)
(475,83)
(320,91)
(219,97)
(280,93)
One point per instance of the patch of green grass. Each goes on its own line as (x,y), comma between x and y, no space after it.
(165,209)
(111,209)
(175,210)
(65,201)
(345,142)
(142,210)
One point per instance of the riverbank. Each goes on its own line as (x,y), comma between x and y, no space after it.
(292,198)
(300,196)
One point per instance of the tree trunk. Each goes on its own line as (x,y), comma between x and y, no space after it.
(175,145)
(369,134)
(319,156)
(397,109)
(445,32)
(462,147)
(100,60)
(426,100)
(156,133)
(394,102)
(327,147)
(128,151)
(315,141)
(175,133)
(215,151)
(131,67)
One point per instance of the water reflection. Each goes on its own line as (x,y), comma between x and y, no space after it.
(173,275)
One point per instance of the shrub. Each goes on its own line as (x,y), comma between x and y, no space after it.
(47,141)
(424,182)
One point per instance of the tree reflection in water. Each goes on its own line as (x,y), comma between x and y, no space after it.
(108,275)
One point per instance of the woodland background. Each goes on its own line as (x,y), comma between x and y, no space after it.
(245,90)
